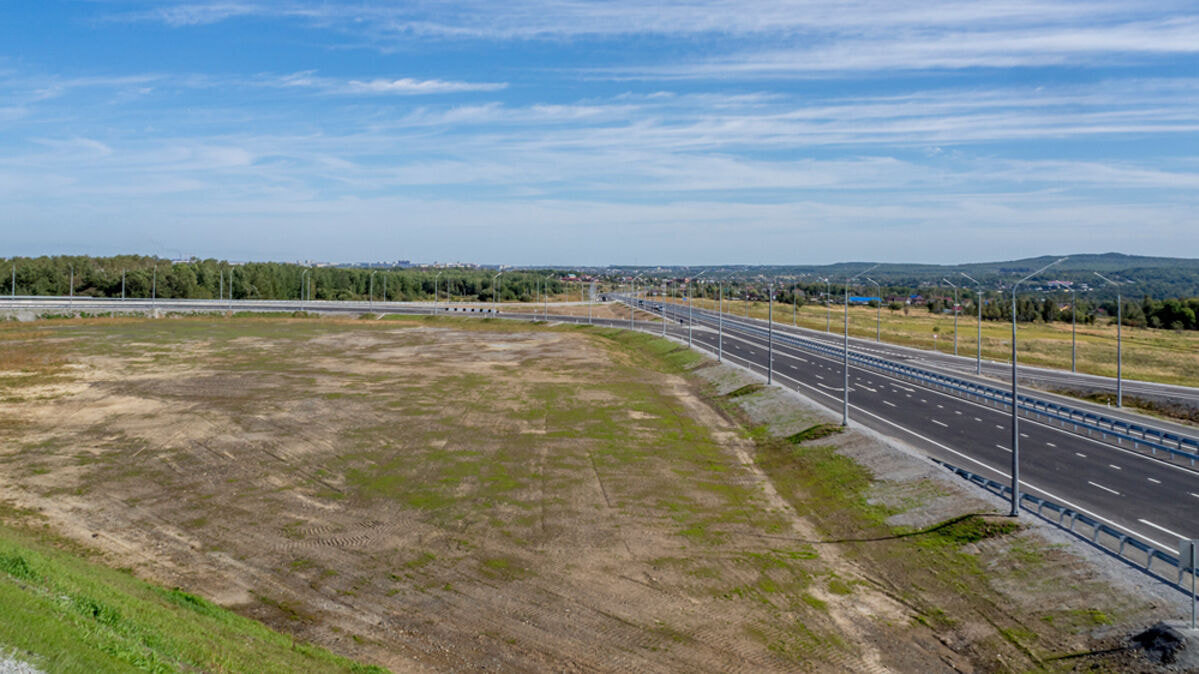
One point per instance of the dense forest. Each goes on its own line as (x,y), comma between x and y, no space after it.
(136,276)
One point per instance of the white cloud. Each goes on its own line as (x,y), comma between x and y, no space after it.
(408,86)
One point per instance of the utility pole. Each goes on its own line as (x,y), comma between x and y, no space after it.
(978,299)
(1119,340)
(1016,398)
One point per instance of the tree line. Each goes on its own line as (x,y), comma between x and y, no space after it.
(1169,314)
(138,276)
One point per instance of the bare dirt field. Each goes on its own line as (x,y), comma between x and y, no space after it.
(448,494)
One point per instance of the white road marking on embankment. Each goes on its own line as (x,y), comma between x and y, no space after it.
(1107,489)
(939,423)
(1161,528)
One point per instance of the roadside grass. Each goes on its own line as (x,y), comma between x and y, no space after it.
(64,613)
(1166,356)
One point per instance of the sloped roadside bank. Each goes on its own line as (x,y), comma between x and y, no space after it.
(1001,595)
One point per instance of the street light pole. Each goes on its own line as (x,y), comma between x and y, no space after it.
(1119,340)
(955,315)
(690,315)
(14,283)
(71,290)
(1073,330)
(370,296)
(978,299)
(545,294)
(795,304)
(154,287)
(495,292)
(878,314)
(303,287)
(633,286)
(720,323)
(845,379)
(828,309)
(770,334)
(435,279)
(1016,398)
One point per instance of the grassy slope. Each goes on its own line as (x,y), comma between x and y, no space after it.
(65,613)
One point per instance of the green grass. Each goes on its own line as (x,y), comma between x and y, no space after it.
(64,613)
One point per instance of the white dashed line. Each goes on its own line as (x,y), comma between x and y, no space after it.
(941,424)
(1003,448)
(1051,444)
(1112,465)
(1194,494)
(1107,489)
(940,407)
(1000,426)
(957,412)
(1161,528)
(1080,454)
(1024,435)
(1153,480)
(977,419)
(821,378)
(888,402)
(923,400)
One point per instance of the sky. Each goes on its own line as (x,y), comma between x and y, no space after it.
(539,132)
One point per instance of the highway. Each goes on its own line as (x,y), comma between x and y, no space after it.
(1152,499)
(1155,500)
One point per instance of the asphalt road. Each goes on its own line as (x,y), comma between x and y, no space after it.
(1156,501)
(994,373)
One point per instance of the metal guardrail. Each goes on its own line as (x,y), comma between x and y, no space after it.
(1095,532)
(1122,431)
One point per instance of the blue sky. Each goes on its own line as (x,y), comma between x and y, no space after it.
(568,132)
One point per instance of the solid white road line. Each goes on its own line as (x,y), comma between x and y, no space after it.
(1109,490)
(1161,528)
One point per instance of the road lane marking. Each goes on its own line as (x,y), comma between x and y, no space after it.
(977,419)
(957,412)
(1051,444)
(940,407)
(923,400)
(941,424)
(1024,435)
(820,377)
(1112,465)
(1080,454)
(1194,494)
(999,426)
(1107,489)
(794,367)
(1153,480)
(1161,528)
(888,402)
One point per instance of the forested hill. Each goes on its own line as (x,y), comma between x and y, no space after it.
(207,279)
